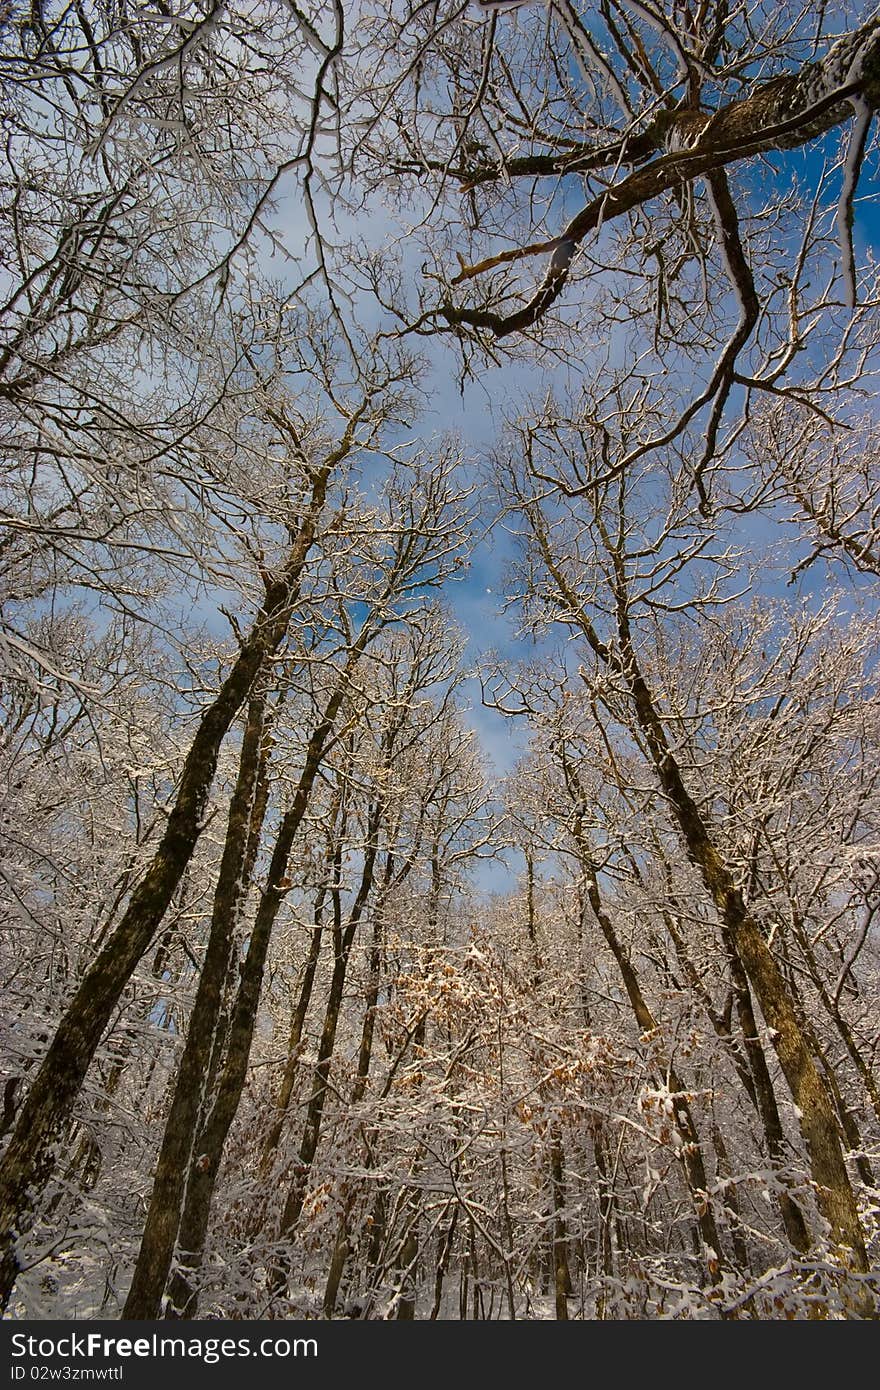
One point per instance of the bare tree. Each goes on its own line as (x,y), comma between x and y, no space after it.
(53,1092)
(605,575)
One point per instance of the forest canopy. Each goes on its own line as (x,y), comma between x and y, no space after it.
(439,766)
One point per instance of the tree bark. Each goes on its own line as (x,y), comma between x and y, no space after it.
(784,113)
(692,1153)
(765,1097)
(163,1217)
(561,1274)
(205,1155)
(312,1130)
(816,1115)
(817,1120)
(29,1158)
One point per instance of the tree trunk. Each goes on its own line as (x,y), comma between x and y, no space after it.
(406,1263)
(561,1275)
(607,1202)
(312,1130)
(29,1158)
(297,1024)
(748,1060)
(832,1008)
(692,1153)
(443,1264)
(334,1275)
(163,1217)
(765,1097)
(205,1159)
(817,1120)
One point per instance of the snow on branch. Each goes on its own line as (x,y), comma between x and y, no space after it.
(864,113)
(783,113)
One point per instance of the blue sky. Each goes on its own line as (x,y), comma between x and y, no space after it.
(477,412)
